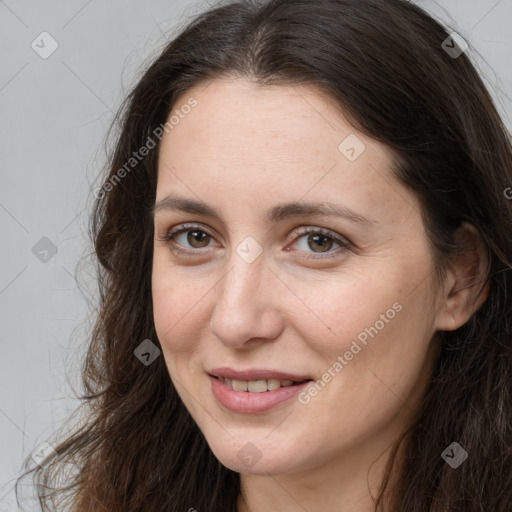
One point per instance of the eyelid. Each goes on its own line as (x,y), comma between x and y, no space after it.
(183,228)
(342,241)
(299,232)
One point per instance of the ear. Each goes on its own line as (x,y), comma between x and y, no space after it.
(463,294)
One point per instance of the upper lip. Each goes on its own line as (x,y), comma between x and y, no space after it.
(256,374)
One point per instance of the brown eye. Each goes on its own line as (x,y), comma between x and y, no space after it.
(196,238)
(188,239)
(320,241)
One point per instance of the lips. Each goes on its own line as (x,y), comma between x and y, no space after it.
(255,391)
(256,374)
(256,401)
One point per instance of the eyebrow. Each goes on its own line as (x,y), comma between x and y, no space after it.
(275,214)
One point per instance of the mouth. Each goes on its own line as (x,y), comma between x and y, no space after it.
(255,396)
(260,385)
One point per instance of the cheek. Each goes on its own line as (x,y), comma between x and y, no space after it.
(377,327)
(178,307)
(335,312)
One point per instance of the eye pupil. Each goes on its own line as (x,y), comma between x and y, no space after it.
(317,241)
(196,236)
(321,237)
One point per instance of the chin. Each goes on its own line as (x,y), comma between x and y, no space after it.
(245,457)
(261,468)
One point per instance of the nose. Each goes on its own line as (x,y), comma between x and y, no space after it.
(247,308)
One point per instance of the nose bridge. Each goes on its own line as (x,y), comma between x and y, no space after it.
(243,302)
(243,282)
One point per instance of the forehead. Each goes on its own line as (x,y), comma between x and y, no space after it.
(232,108)
(236,122)
(254,143)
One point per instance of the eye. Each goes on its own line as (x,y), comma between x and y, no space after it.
(191,234)
(323,239)
(198,239)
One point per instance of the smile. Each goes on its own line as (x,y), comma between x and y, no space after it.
(257,396)
(257,386)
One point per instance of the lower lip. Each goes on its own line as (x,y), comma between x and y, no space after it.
(249,402)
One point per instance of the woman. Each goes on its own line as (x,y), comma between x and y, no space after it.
(233,365)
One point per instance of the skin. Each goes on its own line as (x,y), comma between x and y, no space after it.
(244,149)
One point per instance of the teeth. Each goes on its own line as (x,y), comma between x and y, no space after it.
(256,386)
(239,385)
(273,384)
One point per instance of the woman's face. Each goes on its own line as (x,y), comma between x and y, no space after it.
(352,307)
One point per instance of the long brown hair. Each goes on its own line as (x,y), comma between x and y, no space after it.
(386,64)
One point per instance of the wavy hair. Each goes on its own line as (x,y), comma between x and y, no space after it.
(385,64)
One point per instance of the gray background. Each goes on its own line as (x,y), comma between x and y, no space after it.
(54,117)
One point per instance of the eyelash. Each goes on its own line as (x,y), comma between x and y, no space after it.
(171,235)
